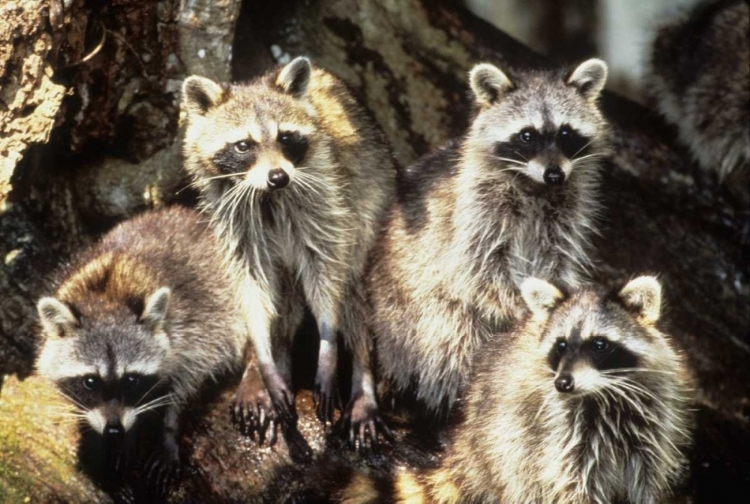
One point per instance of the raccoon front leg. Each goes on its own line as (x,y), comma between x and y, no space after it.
(324,296)
(260,314)
(163,467)
(362,414)
(253,408)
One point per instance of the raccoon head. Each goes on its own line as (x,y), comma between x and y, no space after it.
(590,341)
(545,125)
(108,367)
(262,135)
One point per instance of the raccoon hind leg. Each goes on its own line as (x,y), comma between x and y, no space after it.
(362,415)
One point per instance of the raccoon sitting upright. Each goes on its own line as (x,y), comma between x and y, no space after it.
(516,196)
(295,177)
(141,321)
(587,402)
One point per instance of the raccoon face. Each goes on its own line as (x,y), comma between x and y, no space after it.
(262,135)
(545,127)
(590,340)
(109,368)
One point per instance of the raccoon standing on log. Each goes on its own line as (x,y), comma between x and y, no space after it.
(141,321)
(586,402)
(516,196)
(296,178)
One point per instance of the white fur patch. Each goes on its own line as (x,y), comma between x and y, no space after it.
(128,418)
(96,420)
(291,127)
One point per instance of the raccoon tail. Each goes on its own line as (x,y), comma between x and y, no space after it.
(343,485)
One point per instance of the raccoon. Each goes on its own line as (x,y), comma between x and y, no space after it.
(586,402)
(140,322)
(699,78)
(296,177)
(516,196)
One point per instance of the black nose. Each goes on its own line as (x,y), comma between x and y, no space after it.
(277,179)
(553,175)
(565,383)
(114,429)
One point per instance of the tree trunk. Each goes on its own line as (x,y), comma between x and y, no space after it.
(90,116)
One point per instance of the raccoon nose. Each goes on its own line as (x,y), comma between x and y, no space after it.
(565,383)
(277,179)
(114,429)
(553,175)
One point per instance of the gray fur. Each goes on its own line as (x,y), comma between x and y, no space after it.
(621,436)
(470,225)
(306,242)
(149,300)
(699,77)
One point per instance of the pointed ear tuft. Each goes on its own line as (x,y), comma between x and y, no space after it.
(295,76)
(589,78)
(642,297)
(155,312)
(199,95)
(541,297)
(488,83)
(56,318)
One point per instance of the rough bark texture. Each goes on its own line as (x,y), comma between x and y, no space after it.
(112,153)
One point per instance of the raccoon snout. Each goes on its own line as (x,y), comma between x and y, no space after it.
(277,179)
(565,383)
(114,429)
(554,175)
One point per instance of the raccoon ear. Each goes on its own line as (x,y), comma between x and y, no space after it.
(589,77)
(642,296)
(488,83)
(199,95)
(155,311)
(295,76)
(56,318)
(541,297)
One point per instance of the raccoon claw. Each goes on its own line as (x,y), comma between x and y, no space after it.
(255,412)
(283,400)
(326,402)
(163,469)
(364,423)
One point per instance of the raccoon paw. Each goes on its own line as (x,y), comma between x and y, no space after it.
(253,408)
(163,468)
(326,399)
(283,399)
(362,420)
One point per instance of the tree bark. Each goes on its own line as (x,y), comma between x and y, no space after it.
(112,153)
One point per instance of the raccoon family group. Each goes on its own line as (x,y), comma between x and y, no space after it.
(464,276)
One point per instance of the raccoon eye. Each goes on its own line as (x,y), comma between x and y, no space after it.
(242,147)
(131,380)
(293,145)
(599,344)
(561,346)
(565,132)
(527,135)
(91,382)
(287,139)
